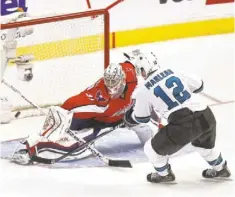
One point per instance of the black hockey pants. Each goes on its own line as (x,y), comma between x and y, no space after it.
(185,126)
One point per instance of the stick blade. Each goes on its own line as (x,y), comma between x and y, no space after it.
(120,163)
(42,160)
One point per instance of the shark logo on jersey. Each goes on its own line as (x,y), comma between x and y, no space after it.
(99,97)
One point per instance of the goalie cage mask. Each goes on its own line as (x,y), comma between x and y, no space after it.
(115,80)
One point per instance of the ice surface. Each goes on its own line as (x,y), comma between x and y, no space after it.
(35,181)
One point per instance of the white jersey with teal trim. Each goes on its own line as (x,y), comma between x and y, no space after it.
(167,91)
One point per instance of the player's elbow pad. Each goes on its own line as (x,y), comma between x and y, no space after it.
(199,89)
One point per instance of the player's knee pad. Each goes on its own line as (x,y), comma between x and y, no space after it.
(156,159)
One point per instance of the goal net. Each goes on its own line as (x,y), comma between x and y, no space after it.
(70,53)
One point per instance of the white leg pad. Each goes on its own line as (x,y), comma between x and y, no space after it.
(57,123)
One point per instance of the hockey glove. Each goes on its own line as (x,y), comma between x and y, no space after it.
(128,120)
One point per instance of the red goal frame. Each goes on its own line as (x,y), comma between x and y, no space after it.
(70,16)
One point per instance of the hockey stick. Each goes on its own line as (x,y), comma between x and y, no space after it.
(110,162)
(21,95)
(95,152)
(107,161)
(76,149)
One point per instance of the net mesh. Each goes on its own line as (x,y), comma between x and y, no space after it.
(69,57)
(65,38)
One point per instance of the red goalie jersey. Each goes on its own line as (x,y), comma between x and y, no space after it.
(97,104)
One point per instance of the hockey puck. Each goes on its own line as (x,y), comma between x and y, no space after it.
(17,114)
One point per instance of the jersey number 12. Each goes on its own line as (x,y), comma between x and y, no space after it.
(179,93)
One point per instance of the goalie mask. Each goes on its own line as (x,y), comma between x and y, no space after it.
(115,80)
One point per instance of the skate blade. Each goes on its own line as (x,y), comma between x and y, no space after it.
(164,183)
(217,179)
(169,183)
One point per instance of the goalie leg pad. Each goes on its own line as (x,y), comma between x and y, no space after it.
(54,150)
(57,123)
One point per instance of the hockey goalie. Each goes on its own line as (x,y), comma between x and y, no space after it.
(84,117)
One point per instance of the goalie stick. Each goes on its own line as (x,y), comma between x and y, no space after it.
(76,149)
(106,160)
(22,96)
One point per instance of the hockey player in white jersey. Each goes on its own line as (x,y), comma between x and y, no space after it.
(174,96)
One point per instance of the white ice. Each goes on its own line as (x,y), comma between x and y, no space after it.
(212,57)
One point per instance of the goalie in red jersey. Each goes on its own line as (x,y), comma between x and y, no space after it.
(104,104)
(100,106)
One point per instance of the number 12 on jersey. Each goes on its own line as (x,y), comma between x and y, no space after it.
(179,93)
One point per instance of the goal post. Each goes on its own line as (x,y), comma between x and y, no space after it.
(70,50)
(70,18)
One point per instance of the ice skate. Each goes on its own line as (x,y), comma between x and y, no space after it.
(156,178)
(21,157)
(212,173)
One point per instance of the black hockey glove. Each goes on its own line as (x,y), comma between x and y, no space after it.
(128,120)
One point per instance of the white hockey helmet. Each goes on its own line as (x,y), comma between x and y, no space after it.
(145,63)
(115,80)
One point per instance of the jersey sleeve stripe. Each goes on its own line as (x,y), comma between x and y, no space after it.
(142,119)
(199,89)
(90,108)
